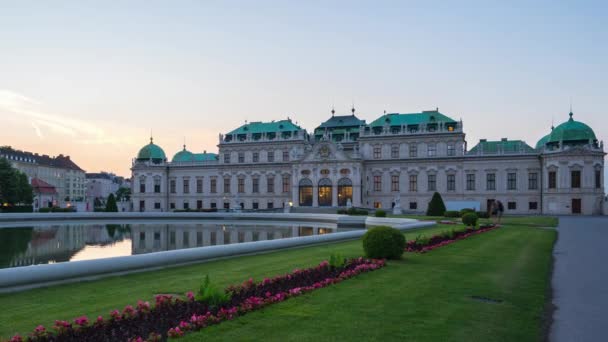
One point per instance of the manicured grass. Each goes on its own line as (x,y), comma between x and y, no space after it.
(530,221)
(22,312)
(424,297)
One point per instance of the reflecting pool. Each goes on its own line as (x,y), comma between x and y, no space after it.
(45,244)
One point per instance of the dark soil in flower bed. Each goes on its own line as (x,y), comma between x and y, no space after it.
(445,238)
(170,313)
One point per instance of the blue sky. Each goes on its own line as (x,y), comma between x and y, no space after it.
(91,79)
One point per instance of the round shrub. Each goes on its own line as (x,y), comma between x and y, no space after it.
(470,219)
(465,211)
(380,213)
(383,242)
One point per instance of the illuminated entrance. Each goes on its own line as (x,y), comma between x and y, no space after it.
(345,191)
(325,192)
(305,192)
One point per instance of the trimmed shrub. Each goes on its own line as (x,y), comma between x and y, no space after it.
(483,214)
(342,211)
(380,213)
(383,242)
(451,213)
(436,206)
(355,211)
(17,209)
(111,204)
(470,219)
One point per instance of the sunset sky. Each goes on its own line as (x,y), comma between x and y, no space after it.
(93,79)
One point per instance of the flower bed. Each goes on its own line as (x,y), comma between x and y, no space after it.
(440,240)
(172,317)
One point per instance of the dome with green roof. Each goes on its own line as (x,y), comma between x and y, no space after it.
(183,156)
(151,152)
(541,143)
(572,131)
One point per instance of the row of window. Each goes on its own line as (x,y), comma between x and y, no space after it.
(510,205)
(575,179)
(255,188)
(199,205)
(413,151)
(451,182)
(255,158)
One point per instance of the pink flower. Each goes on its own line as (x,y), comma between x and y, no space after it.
(99,320)
(82,321)
(190,296)
(16,338)
(175,332)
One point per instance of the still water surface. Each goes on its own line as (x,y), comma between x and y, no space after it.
(70,242)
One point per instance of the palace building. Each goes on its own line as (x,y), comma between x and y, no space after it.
(401,158)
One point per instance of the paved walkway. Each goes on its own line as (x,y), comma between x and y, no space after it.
(580,280)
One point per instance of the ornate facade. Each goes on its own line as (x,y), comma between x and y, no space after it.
(401,158)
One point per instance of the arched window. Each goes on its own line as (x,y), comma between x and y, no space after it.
(325,195)
(305,192)
(345,191)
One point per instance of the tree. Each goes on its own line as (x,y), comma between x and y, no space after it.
(436,206)
(25,194)
(111,204)
(9,183)
(123,194)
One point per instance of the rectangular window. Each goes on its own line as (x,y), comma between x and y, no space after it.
(451,182)
(451,149)
(413,205)
(432,150)
(394,151)
(255,205)
(186,186)
(255,185)
(575,179)
(226,185)
(413,150)
(490,181)
(199,204)
(226,205)
(413,183)
(157,185)
(142,186)
(156,205)
(186,205)
(213,205)
(256,157)
(512,205)
(271,156)
(285,184)
(241,185)
(552,180)
(199,186)
(598,179)
(377,205)
(213,186)
(227,158)
(377,183)
(511,181)
(532,205)
(172,206)
(377,152)
(532,181)
(172,186)
(270,205)
(241,157)
(394,182)
(471,181)
(285,156)
(432,182)
(270,185)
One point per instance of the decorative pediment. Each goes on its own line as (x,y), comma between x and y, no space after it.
(325,151)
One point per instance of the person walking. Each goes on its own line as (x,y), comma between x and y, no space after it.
(497,210)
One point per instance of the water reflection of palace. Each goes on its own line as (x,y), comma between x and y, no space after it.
(57,243)
(154,238)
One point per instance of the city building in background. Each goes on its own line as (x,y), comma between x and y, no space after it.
(396,160)
(61,172)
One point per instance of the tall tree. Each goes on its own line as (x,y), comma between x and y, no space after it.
(436,206)
(8,182)
(123,194)
(25,194)
(111,204)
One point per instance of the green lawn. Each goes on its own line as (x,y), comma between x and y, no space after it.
(423,297)
(531,221)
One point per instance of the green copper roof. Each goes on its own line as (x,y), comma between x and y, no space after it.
(571,131)
(542,141)
(506,146)
(396,119)
(342,121)
(187,156)
(151,151)
(267,127)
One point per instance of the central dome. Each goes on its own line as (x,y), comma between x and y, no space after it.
(183,156)
(572,131)
(151,152)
